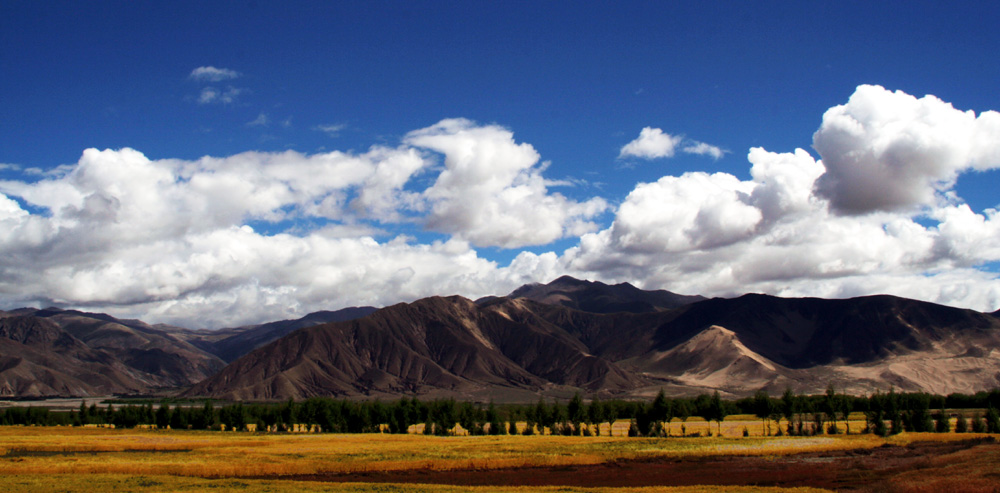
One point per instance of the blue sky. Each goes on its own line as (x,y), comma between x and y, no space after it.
(574,81)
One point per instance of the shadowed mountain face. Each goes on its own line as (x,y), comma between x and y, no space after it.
(448,346)
(806,332)
(597,297)
(242,340)
(514,347)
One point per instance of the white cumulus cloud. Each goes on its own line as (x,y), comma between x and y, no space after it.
(492,192)
(652,143)
(889,151)
(212,74)
(878,214)
(173,240)
(704,149)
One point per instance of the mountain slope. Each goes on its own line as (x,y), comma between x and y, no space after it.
(37,358)
(432,345)
(714,358)
(806,332)
(246,339)
(551,340)
(164,359)
(733,345)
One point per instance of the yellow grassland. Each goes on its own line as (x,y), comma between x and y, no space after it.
(79,459)
(64,450)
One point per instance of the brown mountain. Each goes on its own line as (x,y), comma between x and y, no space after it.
(241,340)
(70,353)
(164,357)
(443,346)
(37,358)
(514,348)
(552,339)
(597,297)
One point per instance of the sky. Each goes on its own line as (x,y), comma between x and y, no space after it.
(213,164)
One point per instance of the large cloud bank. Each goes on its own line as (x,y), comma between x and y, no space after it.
(172,240)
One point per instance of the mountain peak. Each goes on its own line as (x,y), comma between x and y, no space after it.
(598,297)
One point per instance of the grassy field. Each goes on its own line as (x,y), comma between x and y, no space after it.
(78,459)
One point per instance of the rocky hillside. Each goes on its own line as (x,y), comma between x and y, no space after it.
(509,348)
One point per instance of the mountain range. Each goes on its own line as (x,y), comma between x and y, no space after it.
(550,339)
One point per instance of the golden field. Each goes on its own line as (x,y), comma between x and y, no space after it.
(82,459)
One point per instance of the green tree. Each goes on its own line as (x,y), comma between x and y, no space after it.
(713,409)
(920,419)
(845,404)
(831,406)
(764,408)
(789,408)
(84,416)
(961,424)
(497,426)
(596,412)
(992,420)
(941,421)
(978,426)
(163,416)
(682,409)
(576,410)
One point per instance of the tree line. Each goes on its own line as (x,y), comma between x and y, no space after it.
(885,413)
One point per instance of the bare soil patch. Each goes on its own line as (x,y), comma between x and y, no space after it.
(851,470)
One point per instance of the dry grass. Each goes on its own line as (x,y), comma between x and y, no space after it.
(77,459)
(213,454)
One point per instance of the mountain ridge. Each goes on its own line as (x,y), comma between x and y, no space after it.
(760,341)
(550,339)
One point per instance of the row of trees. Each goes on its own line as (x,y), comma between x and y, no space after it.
(885,413)
(903,412)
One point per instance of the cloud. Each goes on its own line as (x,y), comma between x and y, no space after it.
(492,192)
(652,143)
(676,214)
(878,214)
(889,151)
(703,149)
(215,95)
(168,239)
(333,130)
(261,121)
(173,240)
(212,74)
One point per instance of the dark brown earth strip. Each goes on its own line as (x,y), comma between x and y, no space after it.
(838,470)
